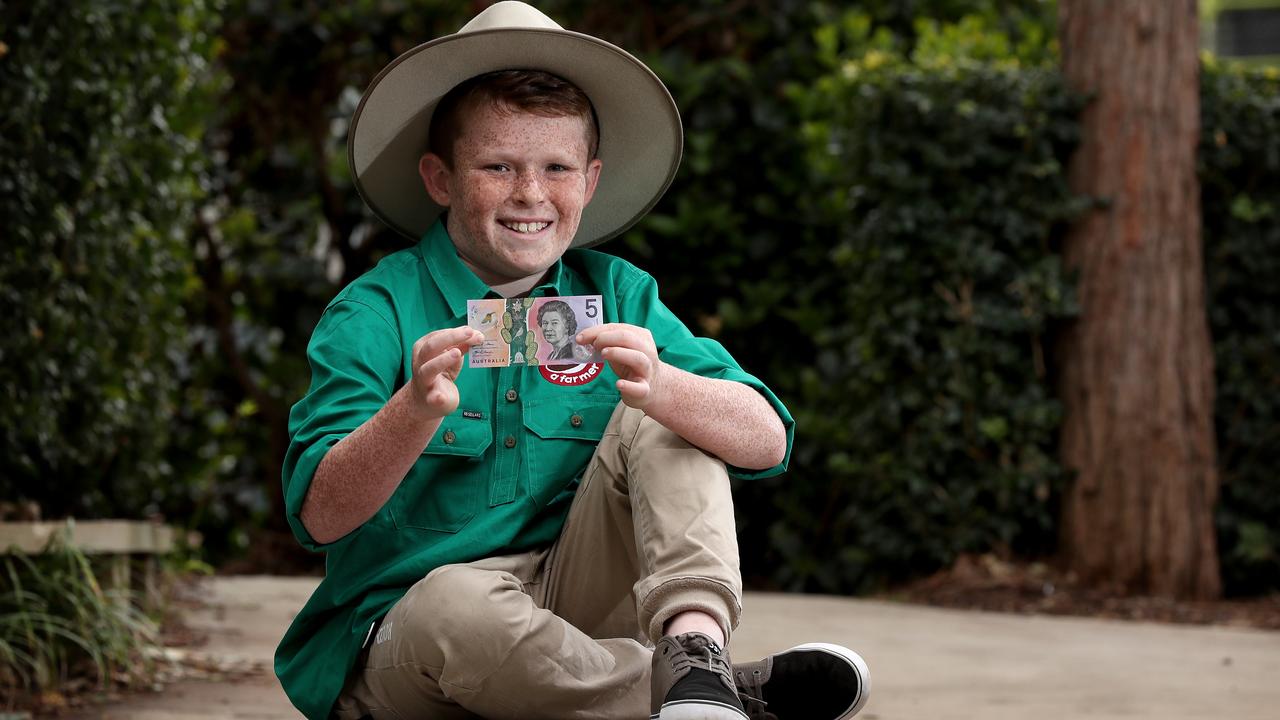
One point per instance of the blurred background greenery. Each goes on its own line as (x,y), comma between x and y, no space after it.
(868,216)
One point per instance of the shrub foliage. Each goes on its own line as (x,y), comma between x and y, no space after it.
(97,177)
(57,623)
(1240,184)
(916,310)
(874,237)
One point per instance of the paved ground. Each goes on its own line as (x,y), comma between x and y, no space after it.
(926,663)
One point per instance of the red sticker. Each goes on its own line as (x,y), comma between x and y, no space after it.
(570,375)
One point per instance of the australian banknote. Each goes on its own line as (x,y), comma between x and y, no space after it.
(533,331)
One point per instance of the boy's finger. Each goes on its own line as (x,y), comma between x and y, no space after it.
(455,367)
(434,343)
(453,335)
(589,335)
(635,393)
(463,338)
(596,329)
(621,337)
(440,363)
(636,362)
(465,346)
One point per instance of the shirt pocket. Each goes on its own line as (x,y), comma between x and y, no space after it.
(442,490)
(562,435)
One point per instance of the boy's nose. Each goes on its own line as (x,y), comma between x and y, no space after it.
(528,188)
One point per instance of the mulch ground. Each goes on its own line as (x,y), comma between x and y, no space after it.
(986,582)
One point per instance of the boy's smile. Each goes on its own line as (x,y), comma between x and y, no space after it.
(515,192)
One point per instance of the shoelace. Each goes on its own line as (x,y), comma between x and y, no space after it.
(715,663)
(753,689)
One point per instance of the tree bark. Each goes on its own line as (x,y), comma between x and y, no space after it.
(1136,375)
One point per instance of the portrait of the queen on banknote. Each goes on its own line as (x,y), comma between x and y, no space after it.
(557,320)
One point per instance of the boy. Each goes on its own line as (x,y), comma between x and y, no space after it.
(508,542)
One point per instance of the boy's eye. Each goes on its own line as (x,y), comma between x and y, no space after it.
(497,167)
(557,167)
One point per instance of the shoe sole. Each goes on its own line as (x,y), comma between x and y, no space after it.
(855,661)
(698,710)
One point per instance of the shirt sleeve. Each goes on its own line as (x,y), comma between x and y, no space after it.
(355,360)
(639,305)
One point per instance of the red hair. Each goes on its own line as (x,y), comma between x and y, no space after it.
(531,91)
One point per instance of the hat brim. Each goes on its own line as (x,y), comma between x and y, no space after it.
(640,135)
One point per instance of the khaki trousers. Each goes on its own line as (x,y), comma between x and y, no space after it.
(566,631)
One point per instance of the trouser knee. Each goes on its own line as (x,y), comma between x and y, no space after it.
(458,616)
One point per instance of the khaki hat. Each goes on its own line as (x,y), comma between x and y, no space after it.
(640,135)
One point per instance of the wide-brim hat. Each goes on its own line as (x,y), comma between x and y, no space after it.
(640,135)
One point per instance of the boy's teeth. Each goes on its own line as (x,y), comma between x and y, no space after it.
(527,227)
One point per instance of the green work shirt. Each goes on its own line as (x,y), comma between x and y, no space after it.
(498,475)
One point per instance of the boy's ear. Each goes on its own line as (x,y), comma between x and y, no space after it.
(435,177)
(593,178)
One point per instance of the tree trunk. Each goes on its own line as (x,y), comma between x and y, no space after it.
(1137,367)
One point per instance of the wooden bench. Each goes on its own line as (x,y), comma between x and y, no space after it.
(121,540)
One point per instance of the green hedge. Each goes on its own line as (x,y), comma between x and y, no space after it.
(873,237)
(101,119)
(877,238)
(927,424)
(891,267)
(1240,191)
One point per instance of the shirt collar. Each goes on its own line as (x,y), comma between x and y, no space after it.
(554,284)
(456,281)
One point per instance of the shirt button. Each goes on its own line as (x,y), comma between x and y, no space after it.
(576,421)
(510,441)
(449,437)
(512,395)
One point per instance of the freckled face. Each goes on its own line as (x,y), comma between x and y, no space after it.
(515,192)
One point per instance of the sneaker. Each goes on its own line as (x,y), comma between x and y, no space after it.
(691,681)
(815,681)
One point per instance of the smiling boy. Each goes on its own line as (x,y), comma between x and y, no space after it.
(501,542)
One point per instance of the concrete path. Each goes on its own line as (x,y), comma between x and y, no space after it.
(926,663)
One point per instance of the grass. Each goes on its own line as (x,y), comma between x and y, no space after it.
(58,624)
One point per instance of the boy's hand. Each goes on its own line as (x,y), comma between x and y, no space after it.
(437,360)
(632,354)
